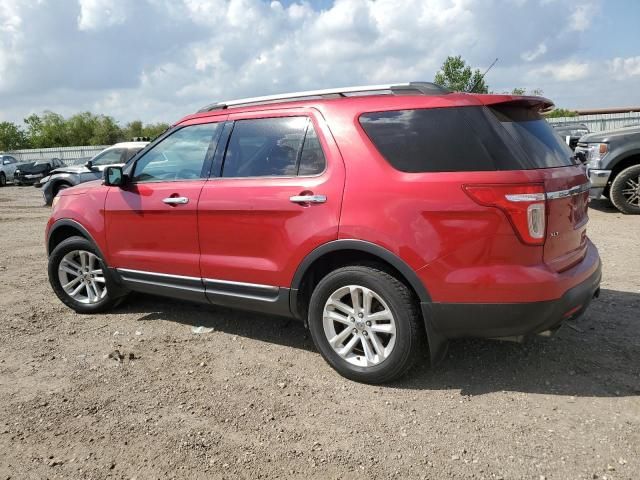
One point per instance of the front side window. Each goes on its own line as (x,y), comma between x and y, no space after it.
(312,161)
(266,147)
(180,156)
(109,157)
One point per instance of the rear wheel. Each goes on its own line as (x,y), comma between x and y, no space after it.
(80,278)
(366,324)
(3,179)
(625,190)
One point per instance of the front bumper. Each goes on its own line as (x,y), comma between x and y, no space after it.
(28,179)
(492,320)
(599,180)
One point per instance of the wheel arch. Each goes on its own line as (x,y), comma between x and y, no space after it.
(628,159)
(66,228)
(342,252)
(350,251)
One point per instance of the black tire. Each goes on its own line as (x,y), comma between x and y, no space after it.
(58,187)
(113,296)
(621,185)
(410,335)
(3,179)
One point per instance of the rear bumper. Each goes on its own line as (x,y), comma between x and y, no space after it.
(490,320)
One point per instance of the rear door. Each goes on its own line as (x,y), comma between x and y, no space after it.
(152,222)
(565,181)
(276,196)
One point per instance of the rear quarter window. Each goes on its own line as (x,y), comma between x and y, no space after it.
(462,139)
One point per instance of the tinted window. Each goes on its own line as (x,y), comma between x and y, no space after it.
(534,134)
(180,156)
(458,139)
(264,147)
(109,157)
(131,152)
(312,160)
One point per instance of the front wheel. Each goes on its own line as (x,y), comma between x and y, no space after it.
(366,324)
(3,179)
(625,190)
(80,278)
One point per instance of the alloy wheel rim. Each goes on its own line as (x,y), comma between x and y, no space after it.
(82,277)
(359,325)
(631,191)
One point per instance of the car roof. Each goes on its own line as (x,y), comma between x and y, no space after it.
(367,98)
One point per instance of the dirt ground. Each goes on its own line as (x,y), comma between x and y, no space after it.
(253,399)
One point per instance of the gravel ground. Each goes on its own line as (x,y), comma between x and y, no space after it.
(253,399)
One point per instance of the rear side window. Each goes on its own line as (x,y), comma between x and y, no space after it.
(282,146)
(534,134)
(456,139)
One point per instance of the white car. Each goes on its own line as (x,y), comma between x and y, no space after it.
(8,166)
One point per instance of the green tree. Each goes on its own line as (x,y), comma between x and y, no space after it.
(153,130)
(561,112)
(106,131)
(80,128)
(523,91)
(133,130)
(12,137)
(53,130)
(456,75)
(48,130)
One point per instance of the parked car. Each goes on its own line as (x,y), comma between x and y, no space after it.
(613,165)
(572,130)
(379,216)
(30,173)
(8,166)
(69,176)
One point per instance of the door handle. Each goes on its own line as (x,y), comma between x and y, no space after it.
(308,198)
(175,200)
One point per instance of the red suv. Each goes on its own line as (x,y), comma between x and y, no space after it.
(380,216)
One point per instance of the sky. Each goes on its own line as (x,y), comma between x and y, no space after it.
(158,60)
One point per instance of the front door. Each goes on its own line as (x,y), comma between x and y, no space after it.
(276,196)
(151,222)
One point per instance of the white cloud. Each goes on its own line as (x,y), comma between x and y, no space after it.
(625,67)
(160,59)
(581,18)
(531,55)
(99,14)
(569,71)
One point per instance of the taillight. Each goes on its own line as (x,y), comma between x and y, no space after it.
(524,205)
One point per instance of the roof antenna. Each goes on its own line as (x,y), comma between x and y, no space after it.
(482,76)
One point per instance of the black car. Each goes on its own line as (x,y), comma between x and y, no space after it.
(572,130)
(32,172)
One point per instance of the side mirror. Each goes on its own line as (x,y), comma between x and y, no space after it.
(581,156)
(113,177)
(89,165)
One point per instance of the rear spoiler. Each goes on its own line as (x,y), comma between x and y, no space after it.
(540,104)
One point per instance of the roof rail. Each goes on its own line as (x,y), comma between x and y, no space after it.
(422,88)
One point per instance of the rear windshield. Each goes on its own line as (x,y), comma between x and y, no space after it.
(465,139)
